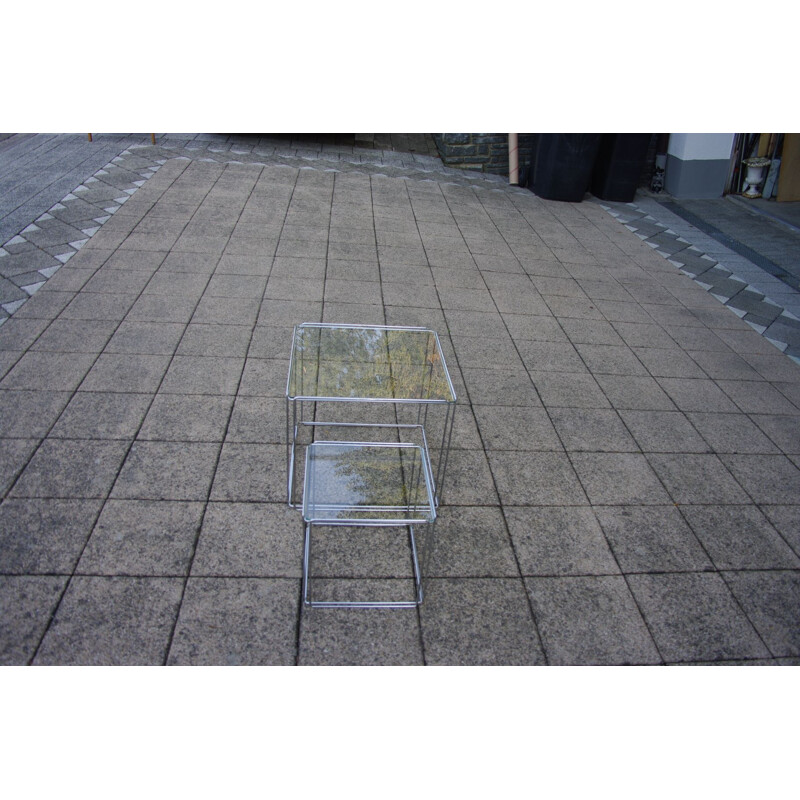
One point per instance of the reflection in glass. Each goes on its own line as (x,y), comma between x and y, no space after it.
(368,362)
(366,481)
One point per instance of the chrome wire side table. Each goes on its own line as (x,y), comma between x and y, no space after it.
(374,364)
(367,485)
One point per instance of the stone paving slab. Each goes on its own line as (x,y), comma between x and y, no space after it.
(624,479)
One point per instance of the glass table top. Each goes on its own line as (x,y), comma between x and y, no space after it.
(367,482)
(368,362)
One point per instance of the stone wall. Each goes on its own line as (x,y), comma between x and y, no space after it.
(484,152)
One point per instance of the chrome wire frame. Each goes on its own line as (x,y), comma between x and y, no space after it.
(419,591)
(295,421)
(426,477)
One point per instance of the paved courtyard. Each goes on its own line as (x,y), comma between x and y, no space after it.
(624,483)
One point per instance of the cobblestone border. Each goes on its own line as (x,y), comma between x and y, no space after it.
(778,325)
(40,249)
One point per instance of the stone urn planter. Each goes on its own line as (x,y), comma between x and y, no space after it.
(754,177)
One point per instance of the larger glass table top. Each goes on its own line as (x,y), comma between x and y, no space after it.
(367,482)
(368,362)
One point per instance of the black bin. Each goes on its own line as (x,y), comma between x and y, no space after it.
(619,164)
(562,165)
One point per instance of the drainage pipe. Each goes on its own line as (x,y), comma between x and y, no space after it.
(513,159)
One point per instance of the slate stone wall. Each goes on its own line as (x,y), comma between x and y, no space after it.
(484,152)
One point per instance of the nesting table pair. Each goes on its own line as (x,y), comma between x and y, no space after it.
(362,404)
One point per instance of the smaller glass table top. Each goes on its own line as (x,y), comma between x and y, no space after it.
(367,483)
(368,362)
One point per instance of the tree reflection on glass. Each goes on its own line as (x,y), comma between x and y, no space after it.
(376,363)
(364,482)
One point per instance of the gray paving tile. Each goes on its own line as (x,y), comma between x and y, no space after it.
(771,365)
(29,414)
(694,617)
(249,539)
(365,292)
(177,284)
(20,333)
(75,336)
(514,387)
(652,538)
(569,390)
(520,300)
(581,292)
(250,472)
(497,629)
(209,375)
(221,340)
(342,556)
(462,299)
(757,397)
(16,454)
(618,479)
(559,541)
(592,430)
(691,394)
(26,605)
(125,372)
(258,420)
(133,261)
(469,479)
(349,270)
(39,537)
(117,281)
(279,288)
(71,469)
(97,306)
(471,542)
(693,479)
(550,356)
(476,323)
(484,353)
(618,311)
(112,621)
(535,478)
(516,428)
(770,600)
(187,418)
(784,431)
(585,308)
(102,415)
(786,520)
(142,537)
(265,377)
(587,331)
(769,479)
(224,310)
(42,371)
(590,621)
(663,432)
(538,328)
(740,537)
(610,360)
(731,433)
(670,363)
(167,471)
(232,622)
